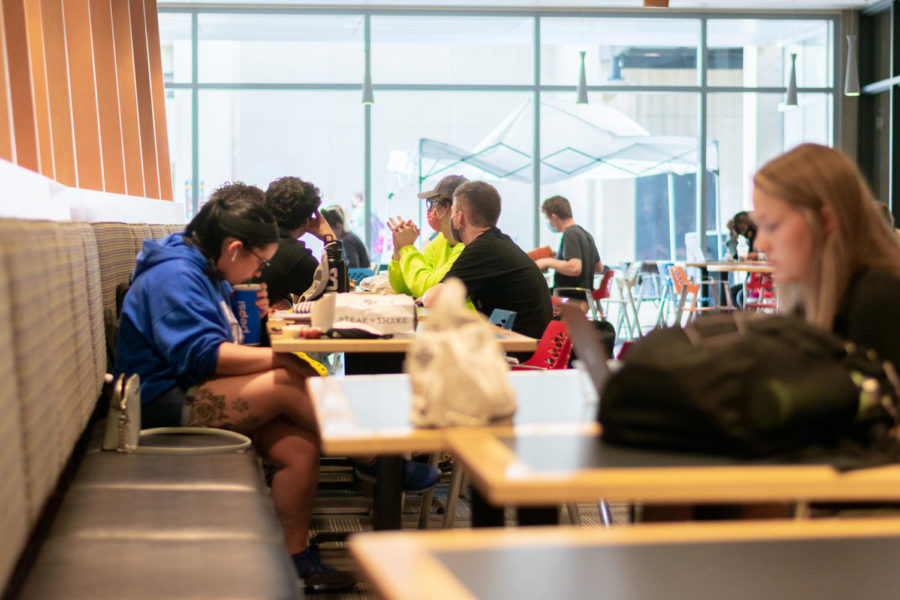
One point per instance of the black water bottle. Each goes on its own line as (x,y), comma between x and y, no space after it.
(337,268)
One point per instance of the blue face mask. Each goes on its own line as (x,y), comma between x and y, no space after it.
(549,227)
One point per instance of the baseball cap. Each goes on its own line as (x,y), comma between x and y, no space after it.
(445,187)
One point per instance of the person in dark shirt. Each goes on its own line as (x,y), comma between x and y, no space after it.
(741,224)
(355,253)
(295,204)
(496,272)
(577,259)
(836,260)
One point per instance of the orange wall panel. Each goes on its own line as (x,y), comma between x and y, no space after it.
(145,98)
(20,89)
(107,96)
(35,31)
(128,104)
(85,113)
(158,94)
(57,74)
(82,97)
(7,143)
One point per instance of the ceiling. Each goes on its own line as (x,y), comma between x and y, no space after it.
(791,5)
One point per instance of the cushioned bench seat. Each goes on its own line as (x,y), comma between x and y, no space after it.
(191,472)
(136,526)
(164,526)
(169,568)
(152,513)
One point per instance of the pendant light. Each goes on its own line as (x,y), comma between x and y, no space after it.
(582,84)
(790,98)
(367,95)
(851,75)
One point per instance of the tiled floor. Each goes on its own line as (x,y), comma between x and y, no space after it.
(342,507)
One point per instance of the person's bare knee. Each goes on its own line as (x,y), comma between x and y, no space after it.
(284,444)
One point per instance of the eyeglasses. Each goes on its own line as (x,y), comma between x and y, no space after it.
(433,203)
(263,263)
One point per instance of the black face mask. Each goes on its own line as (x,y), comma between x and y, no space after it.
(454,233)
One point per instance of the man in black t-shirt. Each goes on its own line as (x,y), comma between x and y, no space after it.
(295,204)
(496,272)
(577,259)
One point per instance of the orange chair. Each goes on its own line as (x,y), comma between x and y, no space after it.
(553,351)
(683,285)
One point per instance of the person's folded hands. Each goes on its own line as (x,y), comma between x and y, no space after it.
(405,235)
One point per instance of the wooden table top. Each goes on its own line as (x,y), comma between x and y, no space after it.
(540,468)
(510,341)
(369,414)
(822,559)
(704,264)
(743,267)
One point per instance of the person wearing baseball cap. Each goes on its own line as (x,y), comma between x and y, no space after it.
(496,272)
(412,272)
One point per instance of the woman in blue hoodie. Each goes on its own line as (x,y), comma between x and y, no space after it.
(179,334)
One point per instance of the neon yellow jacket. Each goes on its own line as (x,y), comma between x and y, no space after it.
(416,271)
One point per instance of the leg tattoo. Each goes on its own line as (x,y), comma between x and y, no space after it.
(247,421)
(208,409)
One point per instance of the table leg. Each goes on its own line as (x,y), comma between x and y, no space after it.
(538,515)
(373,363)
(484,514)
(388,493)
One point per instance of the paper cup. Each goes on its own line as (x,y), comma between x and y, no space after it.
(322,312)
(245,296)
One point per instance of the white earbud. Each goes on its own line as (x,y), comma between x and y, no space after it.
(233,256)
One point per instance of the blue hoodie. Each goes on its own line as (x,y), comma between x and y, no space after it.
(175,316)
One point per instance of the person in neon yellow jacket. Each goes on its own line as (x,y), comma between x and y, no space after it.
(412,272)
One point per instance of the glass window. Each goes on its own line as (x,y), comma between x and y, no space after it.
(626,51)
(452,50)
(420,137)
(626,145)
(761,52)
(750,129)
(179,123)
(627,161)
(256,136)
(279,48)
(175,46)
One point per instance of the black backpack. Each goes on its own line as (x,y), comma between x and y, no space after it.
(749,387)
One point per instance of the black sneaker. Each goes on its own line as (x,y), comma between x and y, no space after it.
(319,577)
(417,476)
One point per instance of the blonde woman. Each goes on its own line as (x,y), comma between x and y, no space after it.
(837,262)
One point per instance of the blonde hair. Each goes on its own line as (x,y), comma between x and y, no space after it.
(848,234)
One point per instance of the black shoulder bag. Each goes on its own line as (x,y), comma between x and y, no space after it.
(749,387)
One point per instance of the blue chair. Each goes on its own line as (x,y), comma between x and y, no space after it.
(357,274)
(503,318)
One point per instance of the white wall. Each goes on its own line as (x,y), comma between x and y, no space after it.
(25,194)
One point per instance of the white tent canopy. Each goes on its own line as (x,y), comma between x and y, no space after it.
(593,140)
